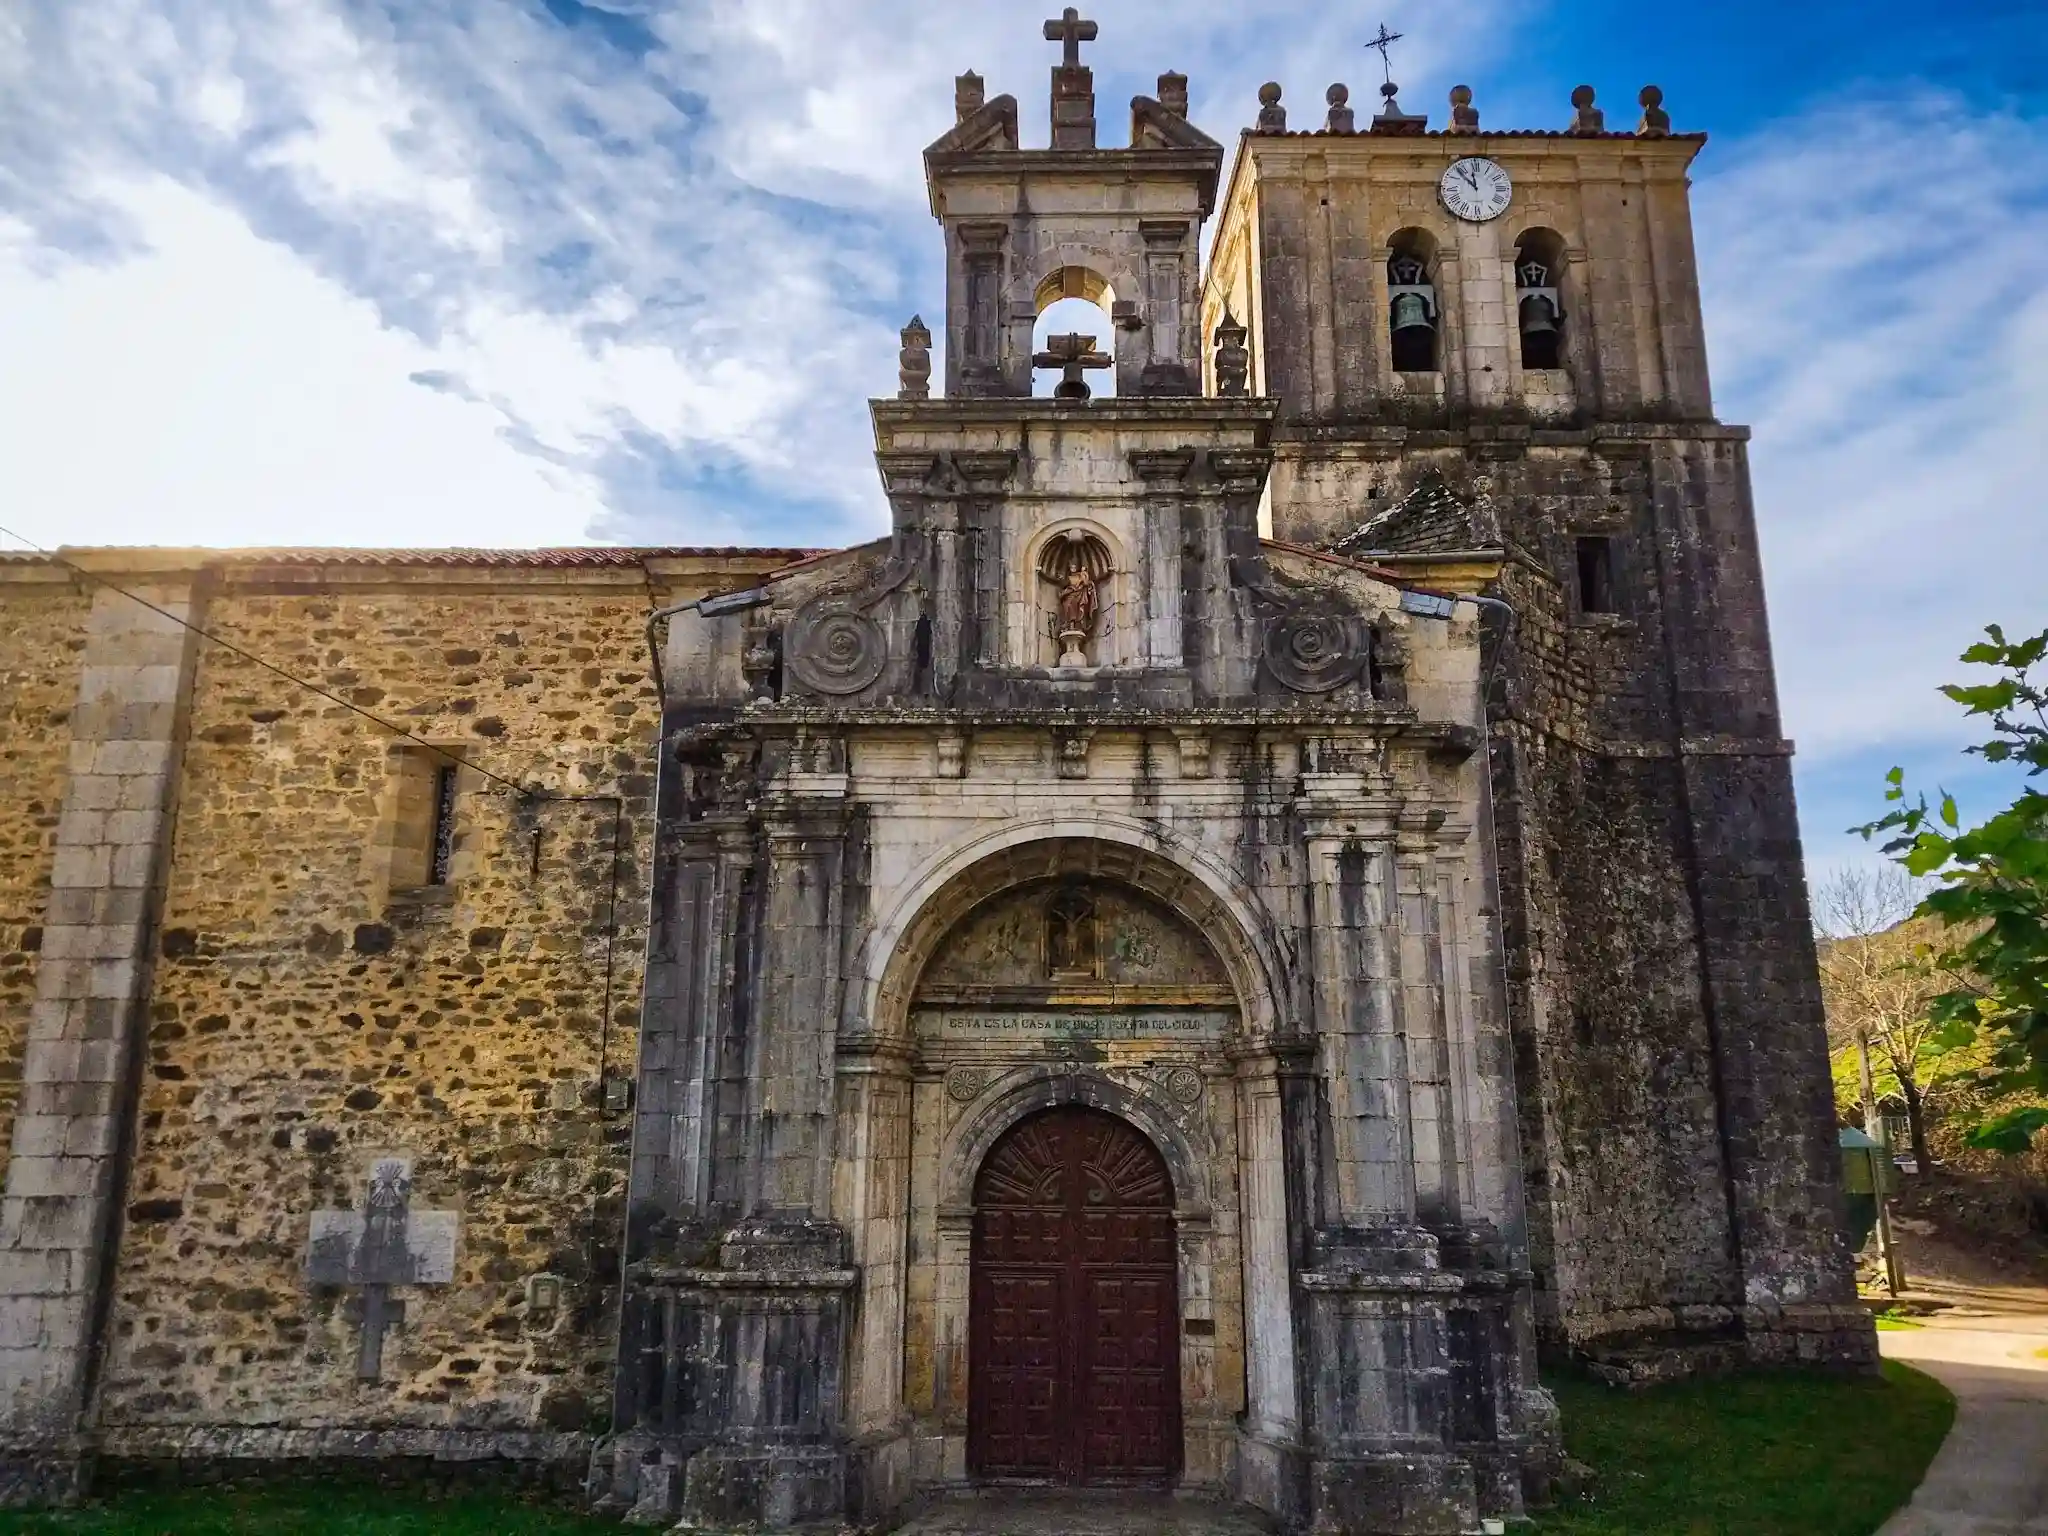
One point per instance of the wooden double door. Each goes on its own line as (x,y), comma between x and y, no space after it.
(1074,1336)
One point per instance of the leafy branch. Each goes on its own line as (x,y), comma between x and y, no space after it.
(1991,889)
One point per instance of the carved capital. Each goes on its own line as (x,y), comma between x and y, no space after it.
(986,474)
(1240,471)
(906,474)
(1162,470)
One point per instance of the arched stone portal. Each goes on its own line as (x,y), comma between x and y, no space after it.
(1075,1319)
(1073,977)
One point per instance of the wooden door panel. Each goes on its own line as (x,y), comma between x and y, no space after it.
(1074,1362)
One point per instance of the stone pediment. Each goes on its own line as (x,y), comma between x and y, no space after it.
(990,128)
(1156,126)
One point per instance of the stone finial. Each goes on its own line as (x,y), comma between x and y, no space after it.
(1073,83)
(1391,119)
(1272,116)
(1341,119)
(1586,118)
(1173,92)
(914,362)
(969,96)
(1233,358)
(1656,122)
(1464,116)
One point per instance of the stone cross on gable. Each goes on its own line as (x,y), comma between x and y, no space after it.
(1070,29)
(384,1244)
(1073,83)
(1071,353)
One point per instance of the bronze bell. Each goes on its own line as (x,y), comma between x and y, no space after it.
(1539,315)
(1410,312)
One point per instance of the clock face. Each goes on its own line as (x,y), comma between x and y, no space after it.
(1475,189)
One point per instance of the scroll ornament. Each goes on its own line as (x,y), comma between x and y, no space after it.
(1317,652)
(834,648)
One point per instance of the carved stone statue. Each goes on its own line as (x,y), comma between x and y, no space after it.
(1077,613)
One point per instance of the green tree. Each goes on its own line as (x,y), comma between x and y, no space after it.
(1991,890)
(1876,982)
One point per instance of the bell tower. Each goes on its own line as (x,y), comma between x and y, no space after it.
(1120,227)
(1490,343)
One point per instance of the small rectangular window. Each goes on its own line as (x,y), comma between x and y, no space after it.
(1596,575)
(443,844)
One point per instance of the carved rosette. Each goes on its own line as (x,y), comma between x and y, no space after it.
(1316,652)
(964,1083)
(834,648)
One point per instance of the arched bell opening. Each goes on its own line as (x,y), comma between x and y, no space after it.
(1539,263)
(1414,317)
(1074,1316)
(1073,342)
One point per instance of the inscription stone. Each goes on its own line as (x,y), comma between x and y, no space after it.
(1061,1025)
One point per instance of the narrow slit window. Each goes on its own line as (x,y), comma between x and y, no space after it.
(1596,575)
(442,849)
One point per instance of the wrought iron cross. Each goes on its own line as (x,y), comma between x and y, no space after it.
(1383,42)
(1071,353)
(1071,30)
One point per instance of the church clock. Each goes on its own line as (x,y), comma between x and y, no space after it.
(1475,189)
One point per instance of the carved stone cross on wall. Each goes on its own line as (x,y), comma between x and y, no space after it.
(1070,29)
(1071,353)
(384,1244)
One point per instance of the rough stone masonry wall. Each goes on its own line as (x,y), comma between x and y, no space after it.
(301,1023)
(40,646)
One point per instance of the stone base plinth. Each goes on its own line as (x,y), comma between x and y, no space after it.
(43,1477)
(1394,1495)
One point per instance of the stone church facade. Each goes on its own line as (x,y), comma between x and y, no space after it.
(1268,903)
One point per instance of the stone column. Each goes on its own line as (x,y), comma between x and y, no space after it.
(1376,1298)
(60,1222)
(872,1202)
(984,623)
(1162,617)
(916,511)
(739,1291)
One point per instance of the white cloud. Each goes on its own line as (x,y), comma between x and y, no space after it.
(676,277)
(1877,309)
(219,392)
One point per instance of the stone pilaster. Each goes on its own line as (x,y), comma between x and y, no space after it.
(61,1216)
(1162,625)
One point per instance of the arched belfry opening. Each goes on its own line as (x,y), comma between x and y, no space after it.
(1074,1317)
(1414,314)
(1539,312)
(1074,340)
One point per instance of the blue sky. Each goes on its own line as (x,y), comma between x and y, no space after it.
(535,271)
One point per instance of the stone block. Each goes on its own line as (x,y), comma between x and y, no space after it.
(40,1272)
(133,759)
(30,1177)
(82,866)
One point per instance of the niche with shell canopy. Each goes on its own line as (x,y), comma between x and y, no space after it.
(1076,601)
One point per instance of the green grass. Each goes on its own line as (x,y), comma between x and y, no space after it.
(1755,1456)
(296,1507)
